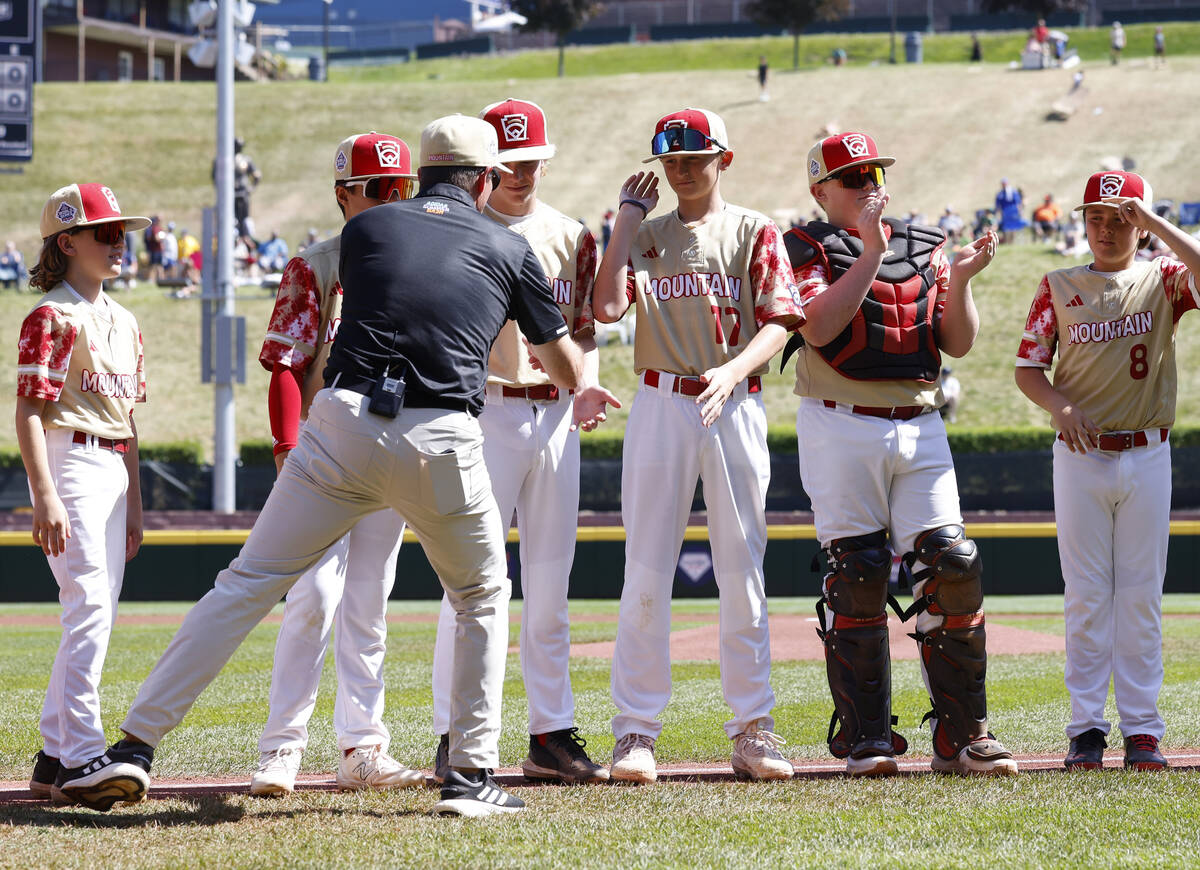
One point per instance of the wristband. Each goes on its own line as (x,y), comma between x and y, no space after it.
(634,202)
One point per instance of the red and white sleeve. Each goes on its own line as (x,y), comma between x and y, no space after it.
(1041,331)
(44,353)
(775,293)
(292,331)
(585,282)
(1180,286)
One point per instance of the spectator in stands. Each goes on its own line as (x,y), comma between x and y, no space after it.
(762,78)
(273,253)
(12,267)
(152,237)
(976,49)
(129,264)
(914,216)
(1160,48)
(1116,41)
(1046,220)
(245,258)
(839,56)
(170,251)
(1074,241)
(985,219)
(951,224)
(1041,35)
(309,240)
(1008,206)
(606,228)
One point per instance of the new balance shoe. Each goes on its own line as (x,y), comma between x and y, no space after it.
(983,757)
(1141,753)
(45,772)
(121,773)
(276,772)
(474,795)
(633,759)
(756,754)
(560,755)
(441,758)
(1087,751)
(371,767)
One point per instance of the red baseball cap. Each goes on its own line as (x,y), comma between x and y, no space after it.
(1104,187)
(835,153)
(85,205)
(520,130)
(706,122)
(370,155)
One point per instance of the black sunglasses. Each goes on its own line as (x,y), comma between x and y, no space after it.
(112,233)
(857,177)
(494,177)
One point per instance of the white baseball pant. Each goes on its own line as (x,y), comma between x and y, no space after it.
(533,460)
(1113,512)
(666,449)
(92,482)
(349,588)
(427,465)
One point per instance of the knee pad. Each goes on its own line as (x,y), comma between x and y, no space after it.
(856,583)
(955,659)
(951,574)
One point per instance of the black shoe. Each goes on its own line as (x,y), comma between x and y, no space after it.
(122,773)
(1141,753)
(45,772)
(441,759)
(474,795)
(1087,751)
(559,755)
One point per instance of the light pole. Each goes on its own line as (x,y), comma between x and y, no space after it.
(224,440)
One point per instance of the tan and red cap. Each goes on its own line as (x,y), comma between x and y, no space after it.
(1110,188)
(706,122)
(460,140)
(85,205)
(835,153)
(520,130)
(371,155)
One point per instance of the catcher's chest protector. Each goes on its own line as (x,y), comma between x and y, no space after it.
(891,336)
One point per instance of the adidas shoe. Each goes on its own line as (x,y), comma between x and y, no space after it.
(633,759)
(1141,753)
(474,795)
(371,767)
(1087,751)
(45,772)
(441,758)
(276,772)
(756,755)
(122,773)
(983,757)
(560,755)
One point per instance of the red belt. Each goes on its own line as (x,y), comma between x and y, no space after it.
(544,393)
(904,412)
(693,386)
(1115,442)
(121,445)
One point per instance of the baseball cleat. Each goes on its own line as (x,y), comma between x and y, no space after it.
(441,758)
(122,773)
(983,757)
(276,772)
(369,767)
(1087,751)
(560,756)
(474,795)
(45,773)
(756,754)
(872,765)
(633,760)
(1141,753)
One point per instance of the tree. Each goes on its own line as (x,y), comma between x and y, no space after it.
(796,15)
(559,17)
(1041,8)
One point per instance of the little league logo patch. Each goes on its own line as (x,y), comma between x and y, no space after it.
(814,168)
(516,127)
(1110,185)
(856,145)
(680,123)
(388,154)
(339,162)
(66,213)
(112,199)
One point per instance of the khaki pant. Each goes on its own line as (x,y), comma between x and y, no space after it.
(426,464)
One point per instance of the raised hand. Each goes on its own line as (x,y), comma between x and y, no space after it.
(870,223)
(973,258)
(641,189)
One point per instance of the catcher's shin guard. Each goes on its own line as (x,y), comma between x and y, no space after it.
(857,654)
(951,635)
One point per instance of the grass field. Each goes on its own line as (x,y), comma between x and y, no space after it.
(1040,820)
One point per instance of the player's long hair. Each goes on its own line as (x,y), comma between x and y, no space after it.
(51,266)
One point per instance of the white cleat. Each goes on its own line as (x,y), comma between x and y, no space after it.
(633,760)
(276,772)
(984,757)
(369,767)
(756,755)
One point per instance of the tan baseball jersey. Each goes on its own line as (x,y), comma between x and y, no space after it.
(306,317)
(85,360)
(567,252)
(1115,337)
(703,290)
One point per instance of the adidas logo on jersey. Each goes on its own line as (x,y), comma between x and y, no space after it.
(1076,302)
(651,254)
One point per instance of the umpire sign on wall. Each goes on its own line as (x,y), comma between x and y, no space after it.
(16,79)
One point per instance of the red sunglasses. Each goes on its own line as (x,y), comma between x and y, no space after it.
(385,188)
(857,177)
(111,234)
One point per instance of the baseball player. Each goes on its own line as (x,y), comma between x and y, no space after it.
(1112,402)
(350,585)
(883,304)
(714,297)
(531,449)
(79,373)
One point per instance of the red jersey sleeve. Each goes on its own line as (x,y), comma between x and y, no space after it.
(630,281)
(940,264)
(292,331)
(585,281)
(812,279)
(140,371)
(775,294)
(44,353)
(1180,286)
(1041,331)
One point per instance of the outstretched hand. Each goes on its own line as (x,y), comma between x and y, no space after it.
(974,258)
(641,188)
(591,406)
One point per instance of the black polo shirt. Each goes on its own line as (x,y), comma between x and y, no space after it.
(427,284)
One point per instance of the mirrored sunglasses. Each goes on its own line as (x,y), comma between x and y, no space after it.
(112,233)
(857,177)
(386,188)
(682,139)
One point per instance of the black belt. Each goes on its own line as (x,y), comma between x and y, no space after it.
(412,398)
